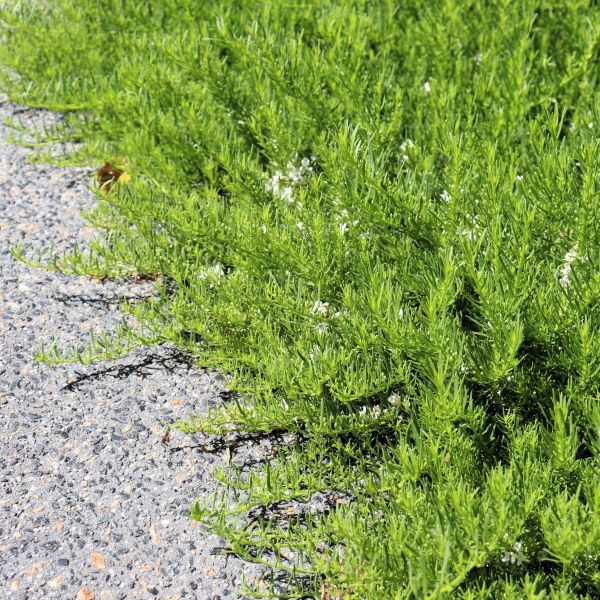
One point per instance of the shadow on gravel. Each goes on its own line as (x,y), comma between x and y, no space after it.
(106,302)
(148,365)
(236,443)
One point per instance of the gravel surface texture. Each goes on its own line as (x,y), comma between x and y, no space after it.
(93,504)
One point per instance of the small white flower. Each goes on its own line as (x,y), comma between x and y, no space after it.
(393,399)
(287,194)
(281,185)
(478,58)
(519,178)
(215,270)
(343,228)
(407,144)
(426,87)
(445,196)
(294,174)
(573,254)
(570,257)
(263,228)
(469,234)
(314,352)
(272,184)
(300,226)
(591,125)
(565,273)
(401,313)
(321,327)
(517,557)
(320,308)
(376,411)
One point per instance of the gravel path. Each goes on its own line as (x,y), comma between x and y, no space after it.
(92,503)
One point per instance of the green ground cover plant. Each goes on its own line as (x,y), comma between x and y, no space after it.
(381,218)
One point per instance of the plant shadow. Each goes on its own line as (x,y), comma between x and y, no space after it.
(167,363)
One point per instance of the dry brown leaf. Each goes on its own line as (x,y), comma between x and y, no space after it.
(167,436)
(107,175)
(325,595)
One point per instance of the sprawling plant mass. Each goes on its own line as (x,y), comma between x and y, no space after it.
(382,219)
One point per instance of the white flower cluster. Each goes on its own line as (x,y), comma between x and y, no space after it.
(394,399)
(517,557)
(282,185)
(405,147)
(343,220)
(373,411)
(320,309)
(471,232)
(316,351)
(570,257)
(214,273)
(445,196)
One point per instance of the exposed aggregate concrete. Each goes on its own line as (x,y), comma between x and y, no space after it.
(93,504)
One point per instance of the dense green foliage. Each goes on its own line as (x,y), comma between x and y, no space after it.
(381,219)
